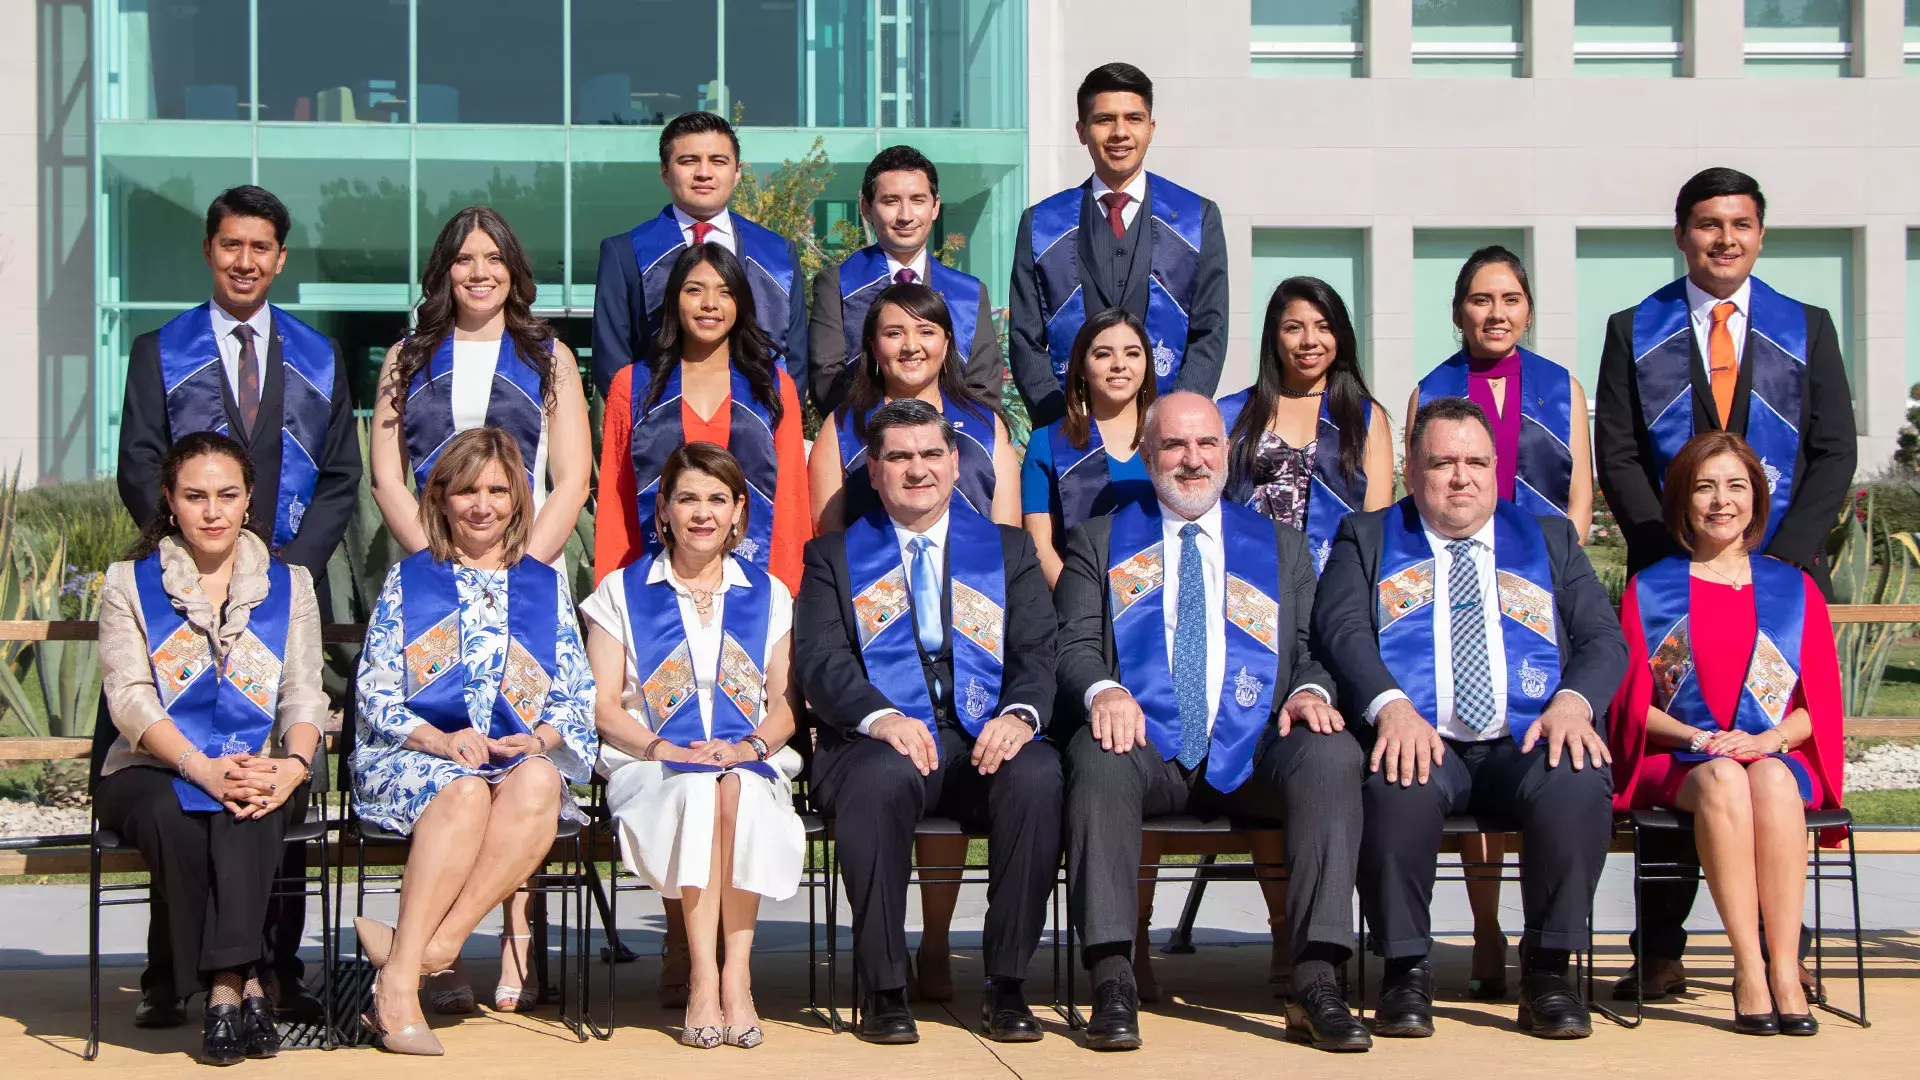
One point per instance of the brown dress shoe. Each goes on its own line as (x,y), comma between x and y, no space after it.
(1661,978)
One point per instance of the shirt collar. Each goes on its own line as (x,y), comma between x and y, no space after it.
(731,575)
(936,532)
(722,222)
(224,322)
(1484,536)
(1137,187)
(1209,522)
(1701,303)
(918,266)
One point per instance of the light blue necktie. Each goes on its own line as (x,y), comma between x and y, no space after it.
(1190,650)
(926,602)
(1467,623)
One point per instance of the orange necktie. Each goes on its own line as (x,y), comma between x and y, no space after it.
(1723,368)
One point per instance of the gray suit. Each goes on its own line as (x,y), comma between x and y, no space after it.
(831,374)
(1309,782)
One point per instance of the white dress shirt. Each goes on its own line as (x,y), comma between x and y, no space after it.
(1700,303)
(223,324)
(1137,187)
(722,233)
(918,266)
(1444,719)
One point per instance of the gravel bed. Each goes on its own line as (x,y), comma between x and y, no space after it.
(18,818)
(1887,766)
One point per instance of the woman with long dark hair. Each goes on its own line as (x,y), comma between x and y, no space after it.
(908,351)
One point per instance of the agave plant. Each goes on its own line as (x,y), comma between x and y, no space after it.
(1860,578)
(41,585)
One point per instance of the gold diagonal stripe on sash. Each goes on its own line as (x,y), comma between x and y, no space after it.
(740,678)
(1254,611)
(524,683)
(433,653)
(1770,679)
(980,620)
(1134,579)
(1526,603)
(1405,593)
(180,660)
(670,685)
(881,604)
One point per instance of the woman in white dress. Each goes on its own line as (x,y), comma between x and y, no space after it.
(699,783)
(478,357)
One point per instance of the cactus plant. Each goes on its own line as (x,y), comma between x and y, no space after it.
(1859,579)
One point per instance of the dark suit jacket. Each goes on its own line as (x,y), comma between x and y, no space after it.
(145,436)
(1206,317)
(622,331)
(827,348)
(1087,654)
(833,676)
(1346,624)
(1823,470)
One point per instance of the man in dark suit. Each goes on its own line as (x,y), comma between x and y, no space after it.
(240,366)
(700,164)
(1184,630)
(1475,648)
(1719,349)
(924,641)
(900,200)
(1124,238)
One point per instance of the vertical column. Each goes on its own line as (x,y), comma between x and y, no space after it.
(1879,373)
(1389,40)
(1549,37)
(20,224)
(1553,267)
(1716,39)
(1879,40)
(1389,273)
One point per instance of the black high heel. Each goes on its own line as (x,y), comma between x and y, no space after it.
(1801,1024)
(1766,1023)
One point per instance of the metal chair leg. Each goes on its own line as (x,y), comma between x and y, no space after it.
(93,950)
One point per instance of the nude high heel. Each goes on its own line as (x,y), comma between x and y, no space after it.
(414,1039)
(376,940)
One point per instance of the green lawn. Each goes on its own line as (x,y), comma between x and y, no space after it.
(1885,807)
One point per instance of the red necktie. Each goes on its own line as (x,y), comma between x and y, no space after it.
(904,276)
(248,391)
(701,230)
(1116,201)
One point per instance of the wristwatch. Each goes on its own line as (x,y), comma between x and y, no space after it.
(1027,714)
(759,747)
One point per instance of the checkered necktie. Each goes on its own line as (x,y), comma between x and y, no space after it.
(1190,650)
(1472,670)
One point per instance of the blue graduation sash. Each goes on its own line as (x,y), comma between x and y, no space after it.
(195,382)
(663,655)
(974,485)
(1544,474)
(514,406)
(658,432)
(1664,591)
(657,243)
(1330,498)
(1136,570)
(224,713)
(864,275)
(1777,350)
(883,612)
(1524,580)
(436,671)
(1082,480)
(1174,231)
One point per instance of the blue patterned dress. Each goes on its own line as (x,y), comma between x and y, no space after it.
(393,784)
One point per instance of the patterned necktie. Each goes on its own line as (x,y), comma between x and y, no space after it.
(1115,202)
(249,389)
(1190,650)
(905,276)
(701,230)
(1723,369)
(1472,670)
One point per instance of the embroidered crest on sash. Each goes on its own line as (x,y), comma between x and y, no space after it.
(235,746)
(1246,688)
(1255,612)
(524,683)
(1773,474)
(433,653)
(670,686)
(746,548)
(182,658)
(740,678)
(296,513)
(1134,579)
(1533,680)
(1320,555)
(1526,603)
(1163,358)
(1770,679)
(976,702)
(1405,592)
(254,671)
(979,620)
(1671,663)
(883,601)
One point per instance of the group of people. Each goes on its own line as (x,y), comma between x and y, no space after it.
(1168,605)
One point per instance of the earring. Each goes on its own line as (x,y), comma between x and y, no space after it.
(734,532)
(172,522)
(246,518)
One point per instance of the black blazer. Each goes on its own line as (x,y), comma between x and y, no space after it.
(1346,625)
(1087,654)
(827,348)
(1823,468)
(1207,326)
(833,675)
(145,436)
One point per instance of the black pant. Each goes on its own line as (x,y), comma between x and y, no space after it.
(1307,782)
(876,797)
(1566,820)
(216,873)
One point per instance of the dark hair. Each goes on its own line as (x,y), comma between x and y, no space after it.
(869,382)
(749,350)
(1491,255)
(901,158)
(249,200)
(1676,494)
(905,413)
(695,123)
(183,450)
(701,457)
(1349,402)
(1452,409)
(1115,78)
(1079,418)
(1712,184)
(438,309)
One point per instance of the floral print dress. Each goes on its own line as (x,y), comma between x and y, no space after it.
(1282,479)
(392,784)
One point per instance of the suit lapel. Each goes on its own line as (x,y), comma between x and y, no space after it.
(1093,271)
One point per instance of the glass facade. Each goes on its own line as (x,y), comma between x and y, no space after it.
(1335,256)
(1910,46)
(374,120)
(1629,38)
(1614,270)
(1913,306)
(1799,38)
(1308,38)
(1438,255)
(1817,266)
(1469,38)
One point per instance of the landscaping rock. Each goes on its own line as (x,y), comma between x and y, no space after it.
(18,818)
(1885,767)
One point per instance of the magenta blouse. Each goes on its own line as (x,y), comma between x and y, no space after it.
(1506,425)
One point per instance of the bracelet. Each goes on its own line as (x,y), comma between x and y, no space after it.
(180,763)
(1700,740)
(647,754)
(759,747)
(304,763)
(1785,743)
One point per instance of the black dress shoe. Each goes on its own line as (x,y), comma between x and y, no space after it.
(160,1012)
(1406,1005)
(1802,1025)
(1550,1009)
(1115,1024)
(886,1018)
(1319,1017)
(1004,1013)
(220,1039)
(258,1033)
(296,1004)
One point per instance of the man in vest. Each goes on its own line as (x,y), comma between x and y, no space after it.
(700,164)
(900,200)
(1124,238)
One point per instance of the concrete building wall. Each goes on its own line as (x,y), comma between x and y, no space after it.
(19,242)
